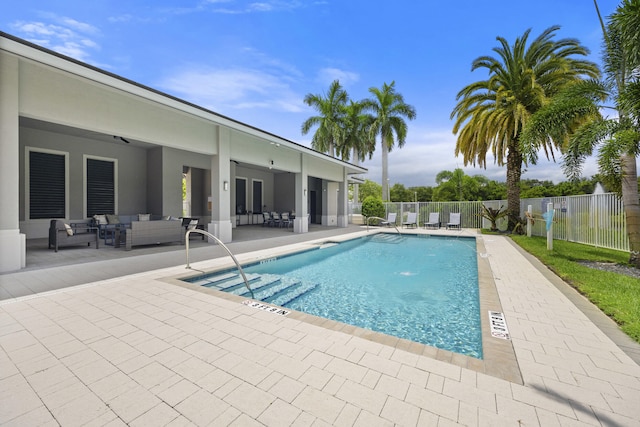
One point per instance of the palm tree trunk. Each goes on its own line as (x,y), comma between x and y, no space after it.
(385,174)
(514,171)
(631,206)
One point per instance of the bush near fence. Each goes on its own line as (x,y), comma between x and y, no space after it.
(592,219)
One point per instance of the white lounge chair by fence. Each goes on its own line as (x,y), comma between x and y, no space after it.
(434,220)
(391,219)
(412,220)
(454,221)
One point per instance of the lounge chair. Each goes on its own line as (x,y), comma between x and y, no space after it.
(412,220)
(454,221)
(434,220)
(391,219)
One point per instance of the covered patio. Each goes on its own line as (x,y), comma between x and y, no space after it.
(75,265)
(78,141)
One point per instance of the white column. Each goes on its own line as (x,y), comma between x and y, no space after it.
(232,193)
(343,200)
(331,206)
(12,242)
(301,222)
(220,225)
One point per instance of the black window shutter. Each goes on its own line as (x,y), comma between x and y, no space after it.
(46,185)
(257,196)
(100,187)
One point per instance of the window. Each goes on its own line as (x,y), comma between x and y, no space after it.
(257,196)
(47,185)
(101,195)
(241,195)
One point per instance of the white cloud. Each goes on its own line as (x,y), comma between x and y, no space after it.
(250,7)
(41,29)
(121,18)
(260,7)
(237,88)
(327,75)
(66,36)
(272,65)
(425,154)
(82,27)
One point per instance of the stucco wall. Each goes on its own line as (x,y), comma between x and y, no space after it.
(131,168)
(267,188)
(284,194)
(154,181)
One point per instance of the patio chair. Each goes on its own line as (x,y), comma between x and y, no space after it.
(275,217)
(266,220)
(193,225)
(454,221)
(412,220)
(285,220)
(434,220)
(391,219)
(68,234)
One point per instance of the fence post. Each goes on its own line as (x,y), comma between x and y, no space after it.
(529,226)
(550,229)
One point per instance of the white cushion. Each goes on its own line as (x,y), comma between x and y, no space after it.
(69,229)
(100,219)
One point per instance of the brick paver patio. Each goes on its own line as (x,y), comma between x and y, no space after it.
(139,350)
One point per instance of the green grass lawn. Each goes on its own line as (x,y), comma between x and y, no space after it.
(617,295)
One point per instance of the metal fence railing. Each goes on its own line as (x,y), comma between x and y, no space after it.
(470,211)
(592,219)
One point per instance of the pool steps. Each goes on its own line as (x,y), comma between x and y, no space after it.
(270,288)
(388,238)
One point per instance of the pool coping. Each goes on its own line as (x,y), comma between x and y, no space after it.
(499,358)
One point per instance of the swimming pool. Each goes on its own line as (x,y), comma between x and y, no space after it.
(420,288)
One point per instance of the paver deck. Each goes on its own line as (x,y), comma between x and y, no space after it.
(139,350)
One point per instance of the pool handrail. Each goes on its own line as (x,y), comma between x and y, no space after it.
(218,241)
(377,217)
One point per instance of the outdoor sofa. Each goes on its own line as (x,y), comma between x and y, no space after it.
(138,230)
(71,234)
(154,232)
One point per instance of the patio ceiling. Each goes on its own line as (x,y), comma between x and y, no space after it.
(81,133)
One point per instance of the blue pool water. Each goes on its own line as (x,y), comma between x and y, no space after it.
(424,289)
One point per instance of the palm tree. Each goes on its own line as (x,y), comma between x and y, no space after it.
(491,114)
(389,109)
(357,137)
(330,121)
(618,137)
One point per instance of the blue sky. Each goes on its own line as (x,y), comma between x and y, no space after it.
(255,61)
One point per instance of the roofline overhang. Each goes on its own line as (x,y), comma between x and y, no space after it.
(355,180)
(32,51)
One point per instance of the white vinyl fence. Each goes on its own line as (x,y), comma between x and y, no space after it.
(592,219)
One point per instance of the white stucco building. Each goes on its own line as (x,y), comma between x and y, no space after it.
(75,139)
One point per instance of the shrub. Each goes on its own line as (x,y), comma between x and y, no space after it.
(373,206)
(493,215)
